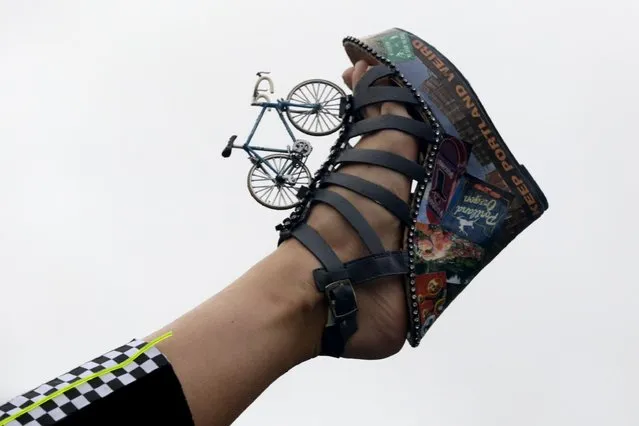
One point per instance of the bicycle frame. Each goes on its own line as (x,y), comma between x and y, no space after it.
(280,106)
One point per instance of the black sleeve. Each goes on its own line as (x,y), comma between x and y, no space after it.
(131,385)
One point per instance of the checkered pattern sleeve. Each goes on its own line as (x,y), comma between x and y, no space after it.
(131,385)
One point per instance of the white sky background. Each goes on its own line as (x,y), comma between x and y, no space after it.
(118,213)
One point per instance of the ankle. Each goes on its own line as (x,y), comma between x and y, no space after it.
(304,306)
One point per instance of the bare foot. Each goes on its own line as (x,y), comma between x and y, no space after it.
(382,316)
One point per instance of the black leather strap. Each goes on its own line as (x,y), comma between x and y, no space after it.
(365,269)
(342,318)
(383,159)
(380,195)
(371,76)
(376,95)
(338,288)
(340,295)
(316,245)
(353,216)
(417,129)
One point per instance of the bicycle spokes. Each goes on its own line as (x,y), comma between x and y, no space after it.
(322,116)
(278,189)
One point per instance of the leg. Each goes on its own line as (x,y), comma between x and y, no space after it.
(229,349)
(226,351)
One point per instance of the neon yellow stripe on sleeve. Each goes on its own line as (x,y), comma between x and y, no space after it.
(86,379)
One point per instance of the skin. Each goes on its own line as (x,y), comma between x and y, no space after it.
(230,348)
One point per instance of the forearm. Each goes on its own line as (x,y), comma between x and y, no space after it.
(229,349)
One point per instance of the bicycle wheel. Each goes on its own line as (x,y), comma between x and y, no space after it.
(275,180)
(316,121)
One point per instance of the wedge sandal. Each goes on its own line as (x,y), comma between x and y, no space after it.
(469,197)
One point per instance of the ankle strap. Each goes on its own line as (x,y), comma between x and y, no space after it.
(342,317)
(338,288)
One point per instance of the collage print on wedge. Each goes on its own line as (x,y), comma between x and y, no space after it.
(475,199)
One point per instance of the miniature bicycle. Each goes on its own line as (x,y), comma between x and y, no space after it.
(313,107)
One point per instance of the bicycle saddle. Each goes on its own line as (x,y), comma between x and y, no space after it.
(470,196)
